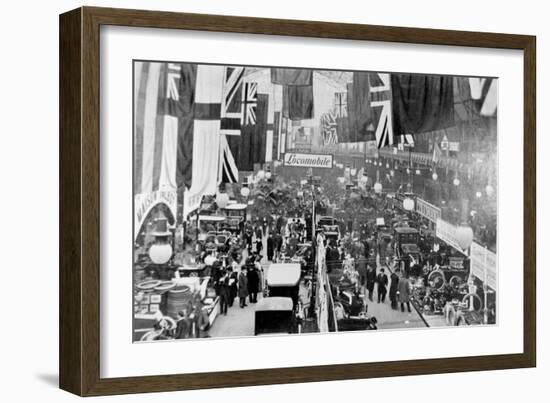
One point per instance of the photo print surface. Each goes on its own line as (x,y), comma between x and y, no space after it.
(280,201)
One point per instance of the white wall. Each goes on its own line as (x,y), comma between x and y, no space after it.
(29,154)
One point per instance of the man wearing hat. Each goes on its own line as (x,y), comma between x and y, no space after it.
(382,282)
(243,287)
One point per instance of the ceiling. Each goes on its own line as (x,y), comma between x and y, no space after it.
(340,77)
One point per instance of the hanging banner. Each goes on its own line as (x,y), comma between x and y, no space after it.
(144,203)
(427,210)
(483,265)
(191,202)
(449,233)
(308,160)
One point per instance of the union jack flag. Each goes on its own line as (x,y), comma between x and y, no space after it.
(328,129)
(249,102)
(341,104)
(232,106)
(380,92)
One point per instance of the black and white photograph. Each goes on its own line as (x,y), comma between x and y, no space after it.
(281,201)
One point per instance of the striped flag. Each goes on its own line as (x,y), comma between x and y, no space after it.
(250,102)
(186,119)
(340,104)
(381,94)
(328,129)
(232,104)
(485,91)
(277,94)
(269,134)
(251,146)
(206,135)
(227,170)
(156,126)
(407,140)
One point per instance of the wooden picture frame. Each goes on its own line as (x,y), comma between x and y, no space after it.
(79,346)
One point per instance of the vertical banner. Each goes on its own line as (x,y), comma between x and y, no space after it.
(206,135)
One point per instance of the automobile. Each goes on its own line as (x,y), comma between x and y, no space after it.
(235,214)
(274,315)
(406,247)
(332,232)
(326,220)
(330,227)
(353,304)
(405,240)
(283,279)
(208,224)
(384,233)
(217,241)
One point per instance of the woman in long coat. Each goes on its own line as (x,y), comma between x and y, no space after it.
(404,288)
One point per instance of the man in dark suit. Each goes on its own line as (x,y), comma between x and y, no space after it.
(371,279)
(243,287)
(382,282)
(224,293)
(394,288)
(362,270)
(253,280)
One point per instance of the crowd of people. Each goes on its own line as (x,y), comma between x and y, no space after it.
(276,229)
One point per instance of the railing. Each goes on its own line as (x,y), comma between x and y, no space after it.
(325,303)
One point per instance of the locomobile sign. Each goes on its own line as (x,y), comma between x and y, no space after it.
(308,160)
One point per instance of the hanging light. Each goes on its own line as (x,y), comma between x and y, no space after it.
(434,176)
(489,190)
(378,187)
(408,204)
(161,251)
(380,163)
(456,181)
(478,194)
(387,165)
(392,172)
(418,172)
(408,171)
(222,199)
(464,236)
(245,191)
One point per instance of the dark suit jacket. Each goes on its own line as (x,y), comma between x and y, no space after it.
(382,280)
(243,286)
